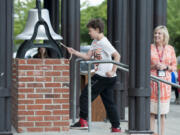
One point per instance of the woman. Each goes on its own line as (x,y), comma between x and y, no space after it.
(163,62)
(42,53)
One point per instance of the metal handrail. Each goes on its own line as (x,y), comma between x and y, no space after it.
(154,78)
(158,80)
(90,62)
(122,67)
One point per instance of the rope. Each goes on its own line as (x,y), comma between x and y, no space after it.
(65,46)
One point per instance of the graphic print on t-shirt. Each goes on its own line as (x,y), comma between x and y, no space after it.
(97,56)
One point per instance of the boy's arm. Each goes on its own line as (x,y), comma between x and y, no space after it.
(117,57)
(85,56)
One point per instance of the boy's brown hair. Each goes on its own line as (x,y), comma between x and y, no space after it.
(96,23)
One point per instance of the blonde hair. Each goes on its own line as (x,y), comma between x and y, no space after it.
(165,33)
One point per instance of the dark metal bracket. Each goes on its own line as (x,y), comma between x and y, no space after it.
(139,132)
(4,92)
(139,92)
(28,44)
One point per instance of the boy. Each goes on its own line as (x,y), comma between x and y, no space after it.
(104,78)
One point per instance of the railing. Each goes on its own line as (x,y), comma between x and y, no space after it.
(90,62)
(122,67)
(158,80)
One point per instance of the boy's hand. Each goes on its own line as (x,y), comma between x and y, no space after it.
(110,73)
(71,50)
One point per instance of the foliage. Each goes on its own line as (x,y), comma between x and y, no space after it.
(178,67)
(21,9)
(89,13)
(173,23)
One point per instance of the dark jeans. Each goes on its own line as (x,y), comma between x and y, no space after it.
(102,86)
(176,92)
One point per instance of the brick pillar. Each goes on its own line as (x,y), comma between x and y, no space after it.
(40,95)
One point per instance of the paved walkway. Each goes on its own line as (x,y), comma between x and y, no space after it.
(102,128)
(173,119)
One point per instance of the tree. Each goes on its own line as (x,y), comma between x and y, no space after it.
(173,23)
(89,13)
(21,9)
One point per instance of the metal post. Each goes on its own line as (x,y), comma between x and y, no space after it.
(72,35)
(160,7)
(123,45)
(110,20)
(110,32)
(6,44)
(74,94)
(77,47)
(159,109)
(76,66)
(117,34)
(132,64)
(89,97)
(77,26)
(53,7)
(71,43)
(64,25)
(139,91)
(147,62)
(117,6)
(141,40)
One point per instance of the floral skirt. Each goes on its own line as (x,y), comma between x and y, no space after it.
(164,107)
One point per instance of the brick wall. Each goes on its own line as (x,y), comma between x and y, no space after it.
(40,95)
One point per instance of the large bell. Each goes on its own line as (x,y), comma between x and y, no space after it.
(32,20)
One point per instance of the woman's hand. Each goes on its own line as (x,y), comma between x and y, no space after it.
(110,74)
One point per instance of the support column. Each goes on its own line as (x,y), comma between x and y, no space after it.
(139,76)
(118,35)
(71,35)
(110,20)
(123,49)
(6,44)
(53,7)
(64,25)
(160,12)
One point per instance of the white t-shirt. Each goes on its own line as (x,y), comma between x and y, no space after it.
(102,50)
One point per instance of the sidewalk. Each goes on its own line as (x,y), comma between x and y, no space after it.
(173,119)
(102,128)
(98,128)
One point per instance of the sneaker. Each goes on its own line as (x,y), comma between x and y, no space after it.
(81,124)
(116,129)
